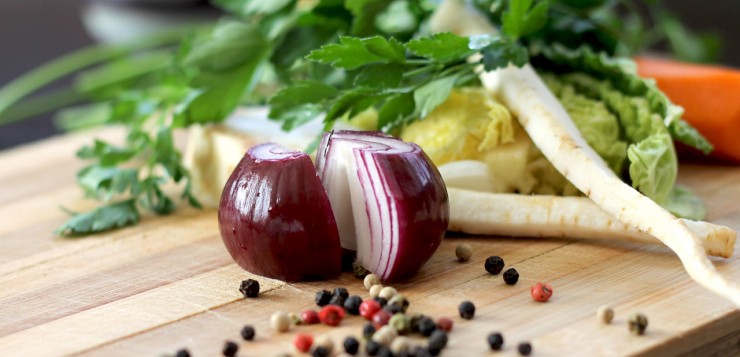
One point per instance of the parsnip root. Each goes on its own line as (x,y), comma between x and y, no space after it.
(514,215)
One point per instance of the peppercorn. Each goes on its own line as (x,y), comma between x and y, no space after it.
(414,320)
(400,346)
(368,308)
(381,318)
(358,270)
(323,341)
(387,293)
(182,353)
(494,264)
(352,305)
(495,341)
(331,315)
(280,321)
(381,301)
(401,301)
(444,324)
(341,292)
(467,310)
(248,333)
(230,349)
(524,348)
(384,352)
(426,326)
(368,331)
(372,348)
(310,317)
(371,280)
(541,292)
(420,351)
(392,309)
(637,323)
(605,314)
(437,342)
(351,345)
(385,335)
(323,297)
(250,288)
(320,352)
(375,290)
(337,300)
(294,319)
(463,252)
(401,323)
(511,276)
(303,342)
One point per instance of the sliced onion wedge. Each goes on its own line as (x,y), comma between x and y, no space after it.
(389,200)
(275,218)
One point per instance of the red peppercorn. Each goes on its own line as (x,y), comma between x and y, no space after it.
(368,308)
(310,317)
(303,342)
(381,318)
(444,324)
(331,315)
(541,292)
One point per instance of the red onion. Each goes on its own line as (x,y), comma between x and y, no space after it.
(389,200)
(275,218)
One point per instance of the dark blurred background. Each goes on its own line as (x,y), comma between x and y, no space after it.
(35,31)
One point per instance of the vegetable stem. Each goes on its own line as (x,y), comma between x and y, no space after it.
(40,105)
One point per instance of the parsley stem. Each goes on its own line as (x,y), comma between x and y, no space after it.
(421,70)
(73,62)
(418,61)
(40,105)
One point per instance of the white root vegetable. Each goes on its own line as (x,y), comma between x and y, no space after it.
(555,134)
(515,215)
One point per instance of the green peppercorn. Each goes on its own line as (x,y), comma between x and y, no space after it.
(250,288)
(524,348)
(230,349)
(414,320)
(637,323)
(401,323)
(467,310)
(323,297)
(511,276)
(495,341)
(463,252)
(494,264)
(358,270)
(248,333)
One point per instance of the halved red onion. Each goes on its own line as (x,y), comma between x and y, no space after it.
(389,200)
(275,218)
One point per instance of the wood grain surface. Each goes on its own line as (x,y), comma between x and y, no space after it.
(169,283)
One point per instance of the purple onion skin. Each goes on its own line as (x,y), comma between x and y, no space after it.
(276,221)
(423,212)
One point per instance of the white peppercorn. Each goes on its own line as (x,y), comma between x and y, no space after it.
(280,321)
(463,252)
(605,314)
(388,292)
(325,342)
(375,290)
(385,335)
(400,345)
(370,280)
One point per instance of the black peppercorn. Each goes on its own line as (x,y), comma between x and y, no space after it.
(368,331)
(467,310)
(230,349)
(426,326)
(525,349)
(494,264)
(323,297)
(372,348)
(393,309)
(511,276)
(384,352)
(495,341)
(420,351)
(337,300)
(182,353)
(248,332)
(437,342)
(352,305)
(341,292)
(381,301)
(250,288)
(320,352)
(414,322)
(351,345)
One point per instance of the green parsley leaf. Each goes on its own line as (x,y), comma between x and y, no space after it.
(111,216)
(522,19)
(353,52)
(500,53)
(103,182)
(297,104)
(432,94)
(396,111)
(385,75)
(442,48)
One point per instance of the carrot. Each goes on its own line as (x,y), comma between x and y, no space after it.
(710,96)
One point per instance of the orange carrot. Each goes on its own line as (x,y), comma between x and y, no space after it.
(709,95)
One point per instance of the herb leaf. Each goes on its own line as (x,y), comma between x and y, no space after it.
(432,94)
(443,47)
(353,52)
(111,216)
(296,104)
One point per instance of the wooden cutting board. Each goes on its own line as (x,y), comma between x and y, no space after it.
(168,283)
